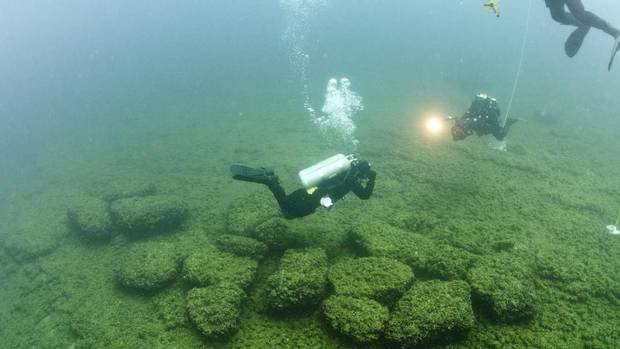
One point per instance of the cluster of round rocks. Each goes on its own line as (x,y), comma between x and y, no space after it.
(401,288)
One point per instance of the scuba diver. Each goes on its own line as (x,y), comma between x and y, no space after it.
(584,20)
(482,118)
(324,183)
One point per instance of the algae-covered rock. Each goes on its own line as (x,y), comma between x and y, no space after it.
(559,266)
(140,216)
(278,234)
(210,267)
(383,240)
(424,256)
(215,309)
(123,188)
(147,266)
(33,236)
(378,278)
(300,280)
(360,319)
(247,212)
(170,308)
(430,313)
(501,287)
(91,219)
(241,246)
(446,262)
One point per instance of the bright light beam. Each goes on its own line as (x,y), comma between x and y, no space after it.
(434,125)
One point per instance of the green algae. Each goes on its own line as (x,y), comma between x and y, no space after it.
(148,266)
(360,319)
(300,280)
(501,285)
(211,267)
(62,294)
(214,310)
(143,216)
(381,279)
(91,219)
(430,313)
(241,246)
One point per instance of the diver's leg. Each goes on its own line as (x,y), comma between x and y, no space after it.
(261,175)
(559,14)
(501,132)
(575,39)
(590,19)
(278,192)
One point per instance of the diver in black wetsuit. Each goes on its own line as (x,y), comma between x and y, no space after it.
(482,118)
(583,20)
(358,177)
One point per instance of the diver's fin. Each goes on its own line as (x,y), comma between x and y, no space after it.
(575,40)
(614,50)
(510,122)
(249,174)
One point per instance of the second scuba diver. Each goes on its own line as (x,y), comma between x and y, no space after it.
(324,183)
(579,17)
(482,118)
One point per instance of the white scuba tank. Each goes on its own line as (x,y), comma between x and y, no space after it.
(329,168)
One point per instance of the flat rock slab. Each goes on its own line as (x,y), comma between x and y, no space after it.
(379,278)
(141,216)
(431,313)
(148,266)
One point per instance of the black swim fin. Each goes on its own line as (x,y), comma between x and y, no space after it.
(614,50)
(575,40)
(510,122)
(255,175)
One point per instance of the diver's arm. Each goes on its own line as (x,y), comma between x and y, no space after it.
(364,192)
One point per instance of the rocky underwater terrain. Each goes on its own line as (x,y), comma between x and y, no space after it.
(461,246)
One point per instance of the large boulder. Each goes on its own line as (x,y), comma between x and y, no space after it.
(91,219)
(278,234)
(384,240)
(426,257)
(211,267)
(360,319)
(247,212)
(378,278)
(300,280)
(139,216)
(241,246)
(431,313)
(32,236)
(501,286)
(445,262)
(148,266)
(215,310)
(123,188)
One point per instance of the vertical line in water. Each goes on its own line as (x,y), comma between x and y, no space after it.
(520,66)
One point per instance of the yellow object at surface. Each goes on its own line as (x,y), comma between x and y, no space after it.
(312,190)
(493,5)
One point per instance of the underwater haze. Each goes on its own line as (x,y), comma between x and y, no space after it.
(121,227)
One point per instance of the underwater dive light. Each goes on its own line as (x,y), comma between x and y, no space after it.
(434,124)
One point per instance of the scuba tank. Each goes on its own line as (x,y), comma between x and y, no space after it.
(316,174)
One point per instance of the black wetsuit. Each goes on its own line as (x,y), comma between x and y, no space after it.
(482,118)
(360,179)
(578,16)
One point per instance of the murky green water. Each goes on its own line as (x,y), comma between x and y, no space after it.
(120,224)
